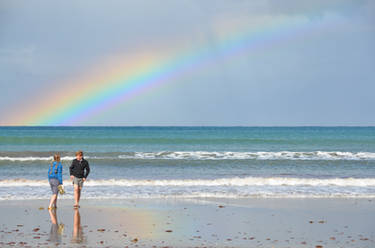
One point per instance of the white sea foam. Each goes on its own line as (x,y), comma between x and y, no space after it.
(282,155)
(234,181)
(89,195)
(204,155)
(248,187)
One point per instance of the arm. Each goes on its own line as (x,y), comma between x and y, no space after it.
(87,170)
(49,171)
(59,173)
(71,168)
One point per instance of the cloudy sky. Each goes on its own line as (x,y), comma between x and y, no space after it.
(322,74)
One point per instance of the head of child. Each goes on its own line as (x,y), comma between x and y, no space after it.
(56,157)
(79,155)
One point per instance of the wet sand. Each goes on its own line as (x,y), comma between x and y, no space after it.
(190,223)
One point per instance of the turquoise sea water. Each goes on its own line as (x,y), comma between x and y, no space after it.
(148,162)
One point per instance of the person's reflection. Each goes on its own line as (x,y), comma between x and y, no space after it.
(77,228)
(56,229)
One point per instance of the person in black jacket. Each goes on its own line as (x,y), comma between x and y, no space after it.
(79,170)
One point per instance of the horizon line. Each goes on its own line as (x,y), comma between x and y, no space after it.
(1,126)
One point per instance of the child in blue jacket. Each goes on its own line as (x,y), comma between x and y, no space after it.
(55,179)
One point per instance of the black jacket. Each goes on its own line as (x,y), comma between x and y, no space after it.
(79,169)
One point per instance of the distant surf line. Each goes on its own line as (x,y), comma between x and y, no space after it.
(209,155)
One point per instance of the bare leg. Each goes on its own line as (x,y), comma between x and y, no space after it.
(52,201)
(79,193)
(76,195)
(55,202)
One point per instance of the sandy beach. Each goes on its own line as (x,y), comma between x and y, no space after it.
(190,223)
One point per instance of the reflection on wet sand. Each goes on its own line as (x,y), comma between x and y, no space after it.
(56,229)
(78,236)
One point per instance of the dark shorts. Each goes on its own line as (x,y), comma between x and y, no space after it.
(78,181)
(54,184)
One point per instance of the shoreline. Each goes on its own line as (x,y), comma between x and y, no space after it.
(204,222)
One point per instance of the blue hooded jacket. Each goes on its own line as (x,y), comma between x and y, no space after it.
(56,171)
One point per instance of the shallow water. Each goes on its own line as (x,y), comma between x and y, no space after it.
(232,162)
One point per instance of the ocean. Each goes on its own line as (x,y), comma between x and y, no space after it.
(191,162)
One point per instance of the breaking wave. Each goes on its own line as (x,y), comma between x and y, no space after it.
(234,187)
(205,155)
(234,181)
(283,155)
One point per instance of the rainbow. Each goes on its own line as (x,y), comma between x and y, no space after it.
(112,84)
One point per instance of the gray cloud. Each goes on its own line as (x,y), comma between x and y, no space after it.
(302,81)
